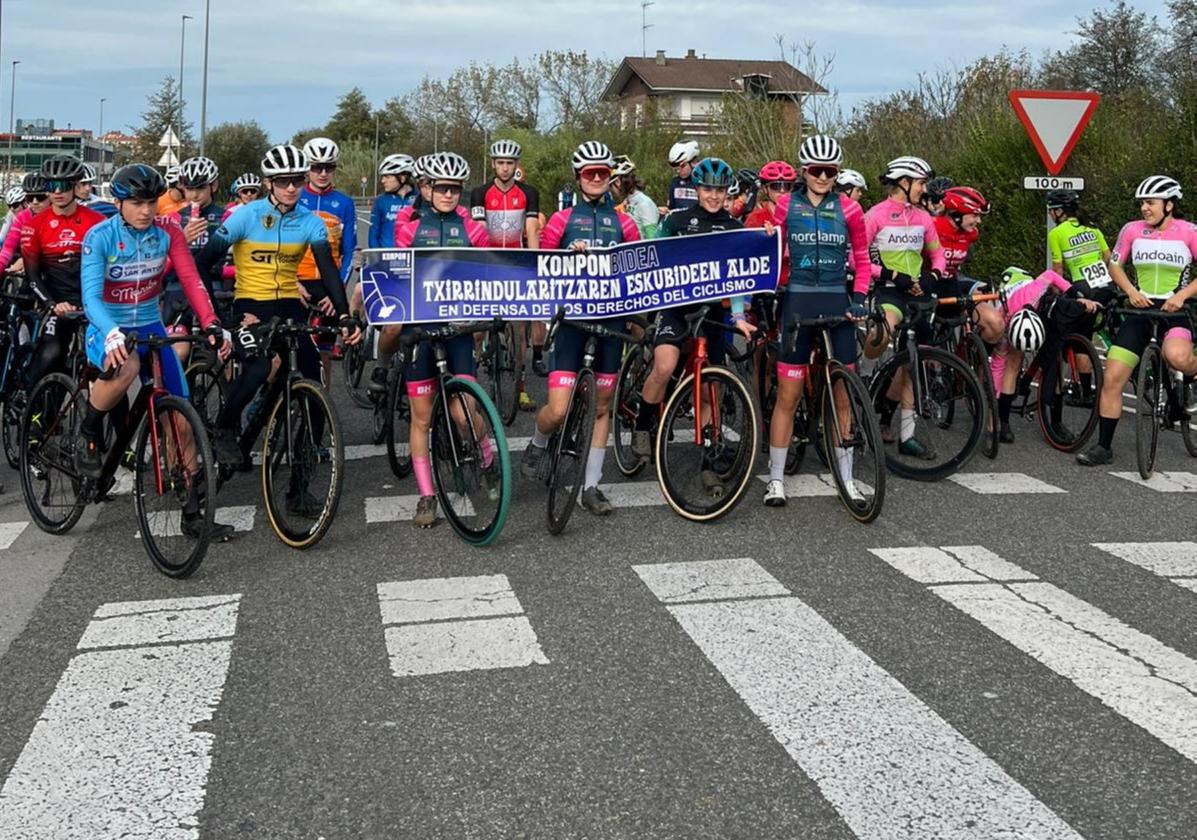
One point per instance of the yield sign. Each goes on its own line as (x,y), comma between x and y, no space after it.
(1054,120)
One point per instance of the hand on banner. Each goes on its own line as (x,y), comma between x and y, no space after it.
(769,229)
(579,245)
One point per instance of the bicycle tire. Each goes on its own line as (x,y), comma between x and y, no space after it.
(397,420)
(274,451)
(203,384)
(962,380)
(1188,434)
(353,369)
(742,452)
(453,482)
(1072,346)
(977,358)
(52,459)
(1149,388)
(152,538)
(868,428)
(502,374)
(571,452)
(625,405)
(10,418)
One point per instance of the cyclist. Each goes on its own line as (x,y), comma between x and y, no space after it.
(395,173)
(959,226)
(592,221)
(438,226)
(908,260)
(681,189)
(245,188)
(124,262)
(199,218)
(934,194)
(852,184)
(269,237)
(711,179)
(630,189)
(83,192)
(1161,248)
(824,231)
(510,210)
(777,179)
(37,199)
(173,199)
(51,245)
(14,200)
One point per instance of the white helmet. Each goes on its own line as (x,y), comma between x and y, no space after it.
(624,165)
(683,152)
(246,180)
(592,153)
(508,149)
(820,149)
(1026,331)
(851,178)
(446,166)
(171,176)
(908,166)
(89,174)
(198,172)
(396,165)
(1159,186)
(14,196)
(321,150)
(284,160)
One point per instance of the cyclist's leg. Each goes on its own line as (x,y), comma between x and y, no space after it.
(1133,337)
(52,347)
(793,366)
(109,389)
(460,356)
(420,377)
(1178,349)
(606,372)
(671,332)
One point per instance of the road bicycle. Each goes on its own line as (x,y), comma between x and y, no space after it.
(958,334)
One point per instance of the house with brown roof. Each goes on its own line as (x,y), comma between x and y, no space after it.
(685,93)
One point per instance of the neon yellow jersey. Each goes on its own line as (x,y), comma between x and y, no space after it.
(1079,248)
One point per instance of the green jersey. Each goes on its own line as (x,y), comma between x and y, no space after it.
(1080,249)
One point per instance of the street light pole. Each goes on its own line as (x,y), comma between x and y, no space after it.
(204,95)
(103,156)
(12,103)
(377,126)
(182,41)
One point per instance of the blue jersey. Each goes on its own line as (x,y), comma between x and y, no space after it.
(336,210)
(382,218)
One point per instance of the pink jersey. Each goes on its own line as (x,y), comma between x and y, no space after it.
(407,212)
(901,238)
(1162,257)
(12,242)
(1018,297)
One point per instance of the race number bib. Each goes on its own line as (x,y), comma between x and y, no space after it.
(1096,275)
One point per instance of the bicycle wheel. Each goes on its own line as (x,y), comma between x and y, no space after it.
(502,370)
(947,426)
(473,486)
(10,418)
(174,487)
(353,369)
(852,435)
(49,482)
(704,479)
(1149,409)
(397,419)
(571,451)
(977,358)
(301,482)
(207,390)
(1188,434)
(625,407)
(1066,409)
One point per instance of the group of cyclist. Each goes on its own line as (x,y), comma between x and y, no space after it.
(283,244)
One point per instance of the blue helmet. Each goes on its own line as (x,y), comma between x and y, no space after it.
(712,172)
(136,180)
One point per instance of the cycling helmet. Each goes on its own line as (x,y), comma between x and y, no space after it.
(1067,200)
(593,153)
(747,177)
(34,184)
(712,172)
(733,190)
(908,166)
(1159,186)
(62,168)
(137,181)
(198,172)
(683,152)
(624,165)
(851,178)
(244,181)
(1026,331)
(937,188)
(89,174)
(420,167)
(507,149)
(820,149)
(447,166)
(321,150)
(519,174)
(777,170)
(965,200)
(396,165)
(172,175)
(1014,274)
(284,160)
(14,196)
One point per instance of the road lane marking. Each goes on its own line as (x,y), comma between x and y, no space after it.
(1174,561)
(9,531)
(1005,483)
(241,517)
(887,763)
(120,750)
(1163,482)
(1140,678)
(805,486)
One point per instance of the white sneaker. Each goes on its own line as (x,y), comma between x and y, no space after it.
(775,493)
(853,493)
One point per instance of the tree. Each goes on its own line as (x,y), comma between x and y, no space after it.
(236,147)
(161,113)
(573,84)
(1117,52)
(353,119)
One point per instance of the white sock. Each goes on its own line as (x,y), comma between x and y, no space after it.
(594,468)
(539,439)
(777,462)
(843,462)
(906,422)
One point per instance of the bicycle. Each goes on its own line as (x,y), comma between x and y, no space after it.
(500,361)
(354,361)
(766,380)
(475,495)
(173,483)
(625,401)
(958,334)
(20,325)
(708,433)
(948,406)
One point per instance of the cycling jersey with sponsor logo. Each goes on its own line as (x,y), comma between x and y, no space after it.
(956,243)
(268,246)
(901,237)
(822,241)
(213,214)
(383,215)
(504,212)
(681,194)
(596,223)
(51,246)
(1161,256)
(1079,249)
(335,209)
(441,230)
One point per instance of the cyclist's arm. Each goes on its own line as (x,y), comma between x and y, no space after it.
(12,245)
(377,219)
(31,246)
(348,241)
(330,277)
(859,243)
(933,251)
(91,281)
(209,262)
(197,292)
(631,233)
(1117,272)
(532,217)
(554,230)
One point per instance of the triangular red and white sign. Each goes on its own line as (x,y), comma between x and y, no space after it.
(1054,120)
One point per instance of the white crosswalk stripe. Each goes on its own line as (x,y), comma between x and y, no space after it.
(9,531)
(1174,561)
(1163,482)
(1008,483)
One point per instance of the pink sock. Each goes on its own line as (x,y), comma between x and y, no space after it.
(488,452)
(423,471)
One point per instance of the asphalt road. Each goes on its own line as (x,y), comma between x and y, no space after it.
(781,673)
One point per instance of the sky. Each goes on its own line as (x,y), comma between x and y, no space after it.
(286,62)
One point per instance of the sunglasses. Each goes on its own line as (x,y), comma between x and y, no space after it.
(446,189)
(248,191)
(780,186)
(36,196)
(295,181)
(595,174)
(61,186)
(822,171)
(324,167)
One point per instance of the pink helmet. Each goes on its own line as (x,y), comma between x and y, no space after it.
(777,170)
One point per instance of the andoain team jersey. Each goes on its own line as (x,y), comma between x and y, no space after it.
(597,223)
(902,235)
(504,212)
(51,246)
(1161,256)
(335,209)
(822,240)
(1079,249)
(123,271)
(440,230)
(956,243)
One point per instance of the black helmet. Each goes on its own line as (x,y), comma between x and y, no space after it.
(1066,200)
(937,188)
(747,177)
(63,168)
(34,183)
(137,181)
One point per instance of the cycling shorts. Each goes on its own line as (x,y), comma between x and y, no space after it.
(1135,333)
(672,329)
(798,305)
(173,379)
(569,348)
(421,372)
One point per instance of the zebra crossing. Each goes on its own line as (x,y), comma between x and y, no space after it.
(124,745)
